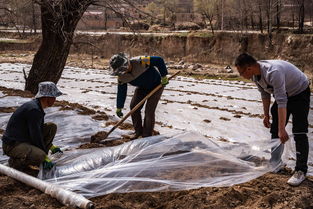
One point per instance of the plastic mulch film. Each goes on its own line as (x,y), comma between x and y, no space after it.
(73,129)
(159,163)
(174,161)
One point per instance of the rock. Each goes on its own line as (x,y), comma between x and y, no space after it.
(229,71)
(181,62)
(185,66)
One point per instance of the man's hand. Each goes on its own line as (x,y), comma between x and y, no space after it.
(54,149)
(119,112)
(164,81)
(47,163)
(266,121)
(283,135)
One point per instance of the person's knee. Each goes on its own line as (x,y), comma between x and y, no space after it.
(36,157)
(52,127)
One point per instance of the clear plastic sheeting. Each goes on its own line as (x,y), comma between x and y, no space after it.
(228,112)
(73,129)
(64,196)
(12,101)
(160,163)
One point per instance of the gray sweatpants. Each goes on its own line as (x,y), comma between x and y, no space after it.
(23,154)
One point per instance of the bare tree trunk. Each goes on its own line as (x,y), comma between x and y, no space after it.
(57,37)
(245,12)
(210,18)
(222,23)
(34,17)
(218,17)
(278,11)
(269,17)
(105,19)
(311,13)
(252,21)
(260,17)
(293,20)
(301,16)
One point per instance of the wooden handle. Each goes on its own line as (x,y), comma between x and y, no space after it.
(138,105)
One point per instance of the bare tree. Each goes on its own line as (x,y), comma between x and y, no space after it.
(279,6)
(16,14)
(301,15)
(154,10)
(168,9)
(34,19)
(58,22)
(260,14)
(207,9)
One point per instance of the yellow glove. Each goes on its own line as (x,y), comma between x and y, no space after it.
(54,149)
(119,112)
(164,81)
(47,163)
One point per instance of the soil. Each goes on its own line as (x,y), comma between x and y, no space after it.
(267,191)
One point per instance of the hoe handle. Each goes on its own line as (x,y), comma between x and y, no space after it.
(137,106)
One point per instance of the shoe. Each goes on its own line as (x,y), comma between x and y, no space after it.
(16,164)
(135,136)
(296,179)
(278,167)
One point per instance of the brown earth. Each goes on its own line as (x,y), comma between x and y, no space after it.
(268,191)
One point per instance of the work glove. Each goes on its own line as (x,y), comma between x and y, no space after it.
(164,80)
(47,163)
(119,112)
(55,149)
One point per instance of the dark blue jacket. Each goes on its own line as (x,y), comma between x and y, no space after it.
(148,80)
(26,125)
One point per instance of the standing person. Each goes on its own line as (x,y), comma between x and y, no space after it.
(290,88)
(27,139)
(144,72)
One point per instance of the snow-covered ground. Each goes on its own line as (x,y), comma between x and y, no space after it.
(227,112)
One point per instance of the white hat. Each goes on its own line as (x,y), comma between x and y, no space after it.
(47,89)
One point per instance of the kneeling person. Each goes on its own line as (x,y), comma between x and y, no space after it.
(27,139)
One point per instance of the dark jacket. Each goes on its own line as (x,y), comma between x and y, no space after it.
(147,78)
(26,125)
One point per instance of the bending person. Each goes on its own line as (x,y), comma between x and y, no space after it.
(290,88)
(145,72)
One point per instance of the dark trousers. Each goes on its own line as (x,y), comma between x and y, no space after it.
(298,106)
(146,129)
(23,154)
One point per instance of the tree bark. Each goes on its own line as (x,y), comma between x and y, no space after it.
(58,26)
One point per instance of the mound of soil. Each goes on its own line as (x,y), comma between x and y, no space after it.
(268,191)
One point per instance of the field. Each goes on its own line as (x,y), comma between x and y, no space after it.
(212,151)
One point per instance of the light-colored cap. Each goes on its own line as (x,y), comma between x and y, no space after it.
(119,63)
(47,89)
